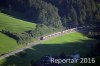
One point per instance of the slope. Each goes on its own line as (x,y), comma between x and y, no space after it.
(9,23)
(7,44)
(16,28)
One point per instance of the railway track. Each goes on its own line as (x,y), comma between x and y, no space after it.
(29,45)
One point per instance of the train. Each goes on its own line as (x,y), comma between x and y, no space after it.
(64,32)
(58,33)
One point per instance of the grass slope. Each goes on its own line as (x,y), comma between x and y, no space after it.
(69,43)
(11,24)
(7,44)
(73,37)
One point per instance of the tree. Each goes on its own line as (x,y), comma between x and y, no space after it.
(49,16)
(65,21)
(41,30)
(82,16)
(73,15)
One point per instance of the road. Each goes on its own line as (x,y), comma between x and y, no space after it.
(33,44)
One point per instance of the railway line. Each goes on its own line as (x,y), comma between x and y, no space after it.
(43,38)
(63,32)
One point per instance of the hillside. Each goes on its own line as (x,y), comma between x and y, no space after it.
(54,47)
(66,13)
(7,44)
(23,22)
(53,15)
(11,24)
(73,37)
(16,28)
(10,31)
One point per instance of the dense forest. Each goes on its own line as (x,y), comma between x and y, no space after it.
(51,15)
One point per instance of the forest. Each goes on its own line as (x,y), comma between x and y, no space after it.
(50,15)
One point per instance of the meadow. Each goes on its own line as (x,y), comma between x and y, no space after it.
(13,25)
(67,44)
(7,44)
(9,23)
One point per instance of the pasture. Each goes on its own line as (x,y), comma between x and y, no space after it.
(7,44)
(67,44)
(11,24)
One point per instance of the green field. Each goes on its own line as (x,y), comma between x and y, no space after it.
(73,37)
(68,44)
(7,44)
(11,24)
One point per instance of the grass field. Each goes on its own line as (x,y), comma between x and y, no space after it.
(7,44)
(68,44)
(11,24)
(73,37)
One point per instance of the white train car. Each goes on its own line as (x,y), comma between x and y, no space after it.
(53,34)
(66,31)
(49,35)
(58,33)
(63,31)
(42,38)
